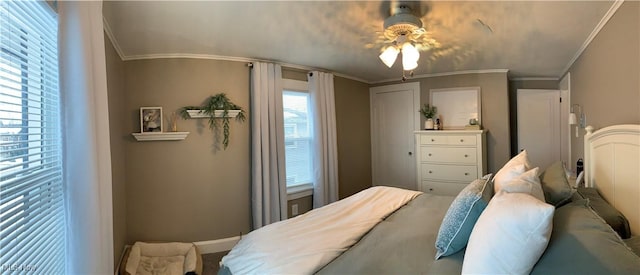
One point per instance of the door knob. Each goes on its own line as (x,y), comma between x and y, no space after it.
(410,153)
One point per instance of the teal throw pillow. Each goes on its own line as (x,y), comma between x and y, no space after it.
(462,215)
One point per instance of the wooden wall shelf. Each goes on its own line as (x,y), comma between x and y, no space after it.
(160,136)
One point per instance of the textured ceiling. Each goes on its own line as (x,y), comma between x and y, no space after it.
(529,38)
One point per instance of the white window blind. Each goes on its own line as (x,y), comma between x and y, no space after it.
(32,217)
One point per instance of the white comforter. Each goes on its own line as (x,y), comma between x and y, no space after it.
(304,244)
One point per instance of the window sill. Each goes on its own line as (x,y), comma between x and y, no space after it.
(299,191)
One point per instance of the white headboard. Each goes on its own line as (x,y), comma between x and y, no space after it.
(612,165)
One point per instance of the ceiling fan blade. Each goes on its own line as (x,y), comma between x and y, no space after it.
(485,27)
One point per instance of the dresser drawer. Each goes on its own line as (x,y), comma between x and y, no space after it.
(442,188)
(433,140)
(464,173)
(464,155)
(461,140)
(448,140)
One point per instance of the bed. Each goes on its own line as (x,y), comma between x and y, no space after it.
(521,220)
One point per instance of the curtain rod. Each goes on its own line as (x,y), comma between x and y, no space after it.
(250,65)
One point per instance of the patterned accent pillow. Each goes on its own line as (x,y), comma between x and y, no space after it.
(462,216)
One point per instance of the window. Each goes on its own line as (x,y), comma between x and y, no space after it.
(297,137)
(32,217)
(297,133)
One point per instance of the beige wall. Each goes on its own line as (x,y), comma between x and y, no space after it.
(188,190)
(304,205)
(354,135)
(295,74)
(605,79)
(495,109)
(116,94)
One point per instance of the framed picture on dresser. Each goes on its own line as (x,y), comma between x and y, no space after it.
(457,106)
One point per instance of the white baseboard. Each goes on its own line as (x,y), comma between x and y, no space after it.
(215,246)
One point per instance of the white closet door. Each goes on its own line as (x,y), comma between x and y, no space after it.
(539,126)
(394,118)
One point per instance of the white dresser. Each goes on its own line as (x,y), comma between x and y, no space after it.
(448,160)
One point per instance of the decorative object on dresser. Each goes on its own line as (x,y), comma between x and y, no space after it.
(214,107)
(449,160)
(473,125)
(429,112)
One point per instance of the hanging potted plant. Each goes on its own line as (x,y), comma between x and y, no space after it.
(219,109)
(429,112)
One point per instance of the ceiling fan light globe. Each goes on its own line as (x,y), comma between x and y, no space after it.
(410,56)
(408,65)
(389,55)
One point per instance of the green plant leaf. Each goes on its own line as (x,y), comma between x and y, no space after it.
(215,102)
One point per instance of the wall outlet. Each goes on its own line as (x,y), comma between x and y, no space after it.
(294,210)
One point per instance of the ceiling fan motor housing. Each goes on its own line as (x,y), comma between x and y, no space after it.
(402,21)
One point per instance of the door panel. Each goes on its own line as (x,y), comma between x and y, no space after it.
(539,126)
(394,117)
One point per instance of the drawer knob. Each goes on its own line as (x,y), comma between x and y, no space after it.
(466,174)
(430,189)
(461,140)
(432,140)
(429,154)
(465,155)
(429,171)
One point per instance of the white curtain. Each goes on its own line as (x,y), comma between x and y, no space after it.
(269,196)
(87,157)
(325,162)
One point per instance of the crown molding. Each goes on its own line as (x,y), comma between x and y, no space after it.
(614,7)
(114,42)
(534,79)
(236,59)
(445,74)
(116,46)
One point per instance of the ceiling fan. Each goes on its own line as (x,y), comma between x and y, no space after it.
(404,33)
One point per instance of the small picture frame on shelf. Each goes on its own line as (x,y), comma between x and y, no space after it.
(151,119)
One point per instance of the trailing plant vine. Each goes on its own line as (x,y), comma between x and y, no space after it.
(218,102)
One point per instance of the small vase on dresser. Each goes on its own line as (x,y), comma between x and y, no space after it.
(448,160)
(428,124)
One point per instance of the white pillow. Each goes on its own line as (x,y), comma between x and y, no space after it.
(507,176)
(511,168)
(528,182)
(509,236)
